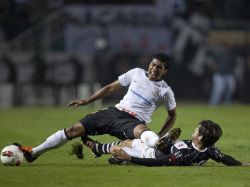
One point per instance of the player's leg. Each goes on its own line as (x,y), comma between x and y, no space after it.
(100,123)
(96,147)
(91,124)
(129,127)
(55,140)
(106,147)
(100,148)
(147,136)
(151,139)
(59,138)
(132,128)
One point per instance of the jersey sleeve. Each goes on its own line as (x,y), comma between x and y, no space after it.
(169,99)
(161,161)
(126,78)
(217,156)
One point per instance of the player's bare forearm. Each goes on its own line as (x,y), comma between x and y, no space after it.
(121,154)
(169,122)
(104,91)
(245,164)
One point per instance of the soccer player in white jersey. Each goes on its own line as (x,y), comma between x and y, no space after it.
(126,120)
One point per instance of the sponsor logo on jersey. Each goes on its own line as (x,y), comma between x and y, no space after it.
(157,84)
(140,96)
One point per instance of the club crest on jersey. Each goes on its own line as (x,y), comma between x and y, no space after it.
(156,92)
(180,145)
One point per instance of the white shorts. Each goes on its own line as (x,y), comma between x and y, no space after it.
(140,150)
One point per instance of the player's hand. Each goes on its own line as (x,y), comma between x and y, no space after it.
(121,154)
(78,102)
(162,145)
(245,164)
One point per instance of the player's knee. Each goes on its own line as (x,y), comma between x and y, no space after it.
(149,138)
(75,131)
(139,129)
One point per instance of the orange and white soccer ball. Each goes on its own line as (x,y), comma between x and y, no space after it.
(11,155)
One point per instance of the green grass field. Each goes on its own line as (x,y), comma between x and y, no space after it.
(31,126)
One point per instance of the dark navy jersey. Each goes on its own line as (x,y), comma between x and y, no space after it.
(184,153)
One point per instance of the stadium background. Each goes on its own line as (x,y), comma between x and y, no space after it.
(53,51)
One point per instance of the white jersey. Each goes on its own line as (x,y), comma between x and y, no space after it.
(143,95)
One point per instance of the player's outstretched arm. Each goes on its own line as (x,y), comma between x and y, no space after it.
(104,91)
(163,161)
(169,122)
(216,155)
(121,154)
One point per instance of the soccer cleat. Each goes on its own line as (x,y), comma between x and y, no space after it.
(93,145)
(172,134)
(166,141)
(95,150)
(116,161)
(27,152)
(77,149)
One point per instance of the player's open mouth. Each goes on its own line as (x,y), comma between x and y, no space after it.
(153,74)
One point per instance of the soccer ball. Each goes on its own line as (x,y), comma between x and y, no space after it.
(11,156)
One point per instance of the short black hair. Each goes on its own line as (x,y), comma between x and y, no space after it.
(210,132)
(163,58)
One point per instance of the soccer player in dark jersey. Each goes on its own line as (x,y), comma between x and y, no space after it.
(181,153)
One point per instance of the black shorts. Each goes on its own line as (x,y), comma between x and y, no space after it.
(111,121)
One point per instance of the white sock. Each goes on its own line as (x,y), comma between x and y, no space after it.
(54,141)
(149,138)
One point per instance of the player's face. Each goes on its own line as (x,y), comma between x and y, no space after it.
(196,135)
(156,70)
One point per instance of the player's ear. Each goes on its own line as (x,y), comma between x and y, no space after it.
(200,137)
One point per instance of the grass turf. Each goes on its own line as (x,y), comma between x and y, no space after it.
(31,126)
